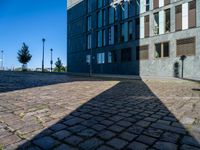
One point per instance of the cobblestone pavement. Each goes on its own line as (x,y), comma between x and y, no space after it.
(60,112)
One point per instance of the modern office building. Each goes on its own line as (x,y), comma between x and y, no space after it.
(140,37)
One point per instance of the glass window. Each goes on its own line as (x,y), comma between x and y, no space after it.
(100,58)
(147,5)
(130,30)
(156,23)
(89,23)
(100,3)
(167,20)
(111,35)
(99,15)
(131,9)
(162,50)
(104,37)
(111,15)
(89,41)
(112,57)
(88,57)
(104,17)
(137,7)
(126,55)
(99,38)
(90,5)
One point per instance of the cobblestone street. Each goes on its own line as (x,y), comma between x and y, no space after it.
(61,112)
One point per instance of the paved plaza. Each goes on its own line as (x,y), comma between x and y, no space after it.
(61,112)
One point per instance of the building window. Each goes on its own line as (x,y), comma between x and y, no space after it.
(116,35)
(99,18)
(137,28)
(155,4)
(146,26)
(162,50)
(185,46)
(178,17)
(156,23)
(89,5)
(142,52)
(88,59)
(104,17)
(192,14)
(137,10)
(111,15)
(105,2)
(112,57)
(100,58)
(130,30)
(100,3)
(166,2)
(167,21)
(99,38)
(147,5)
(111,35)
(126,55)
(89,21)
(131,9)
(124,32)
(104,37)
(89,41)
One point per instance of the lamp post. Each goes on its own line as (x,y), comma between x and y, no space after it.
(51,62)
(182,58)
(43,41)
(2,60)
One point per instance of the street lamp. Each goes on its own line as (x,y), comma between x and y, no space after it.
(51,62)
(43,40)
(2,59)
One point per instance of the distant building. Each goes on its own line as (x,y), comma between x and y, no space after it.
(143,37)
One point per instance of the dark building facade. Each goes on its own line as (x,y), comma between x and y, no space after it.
(141,37)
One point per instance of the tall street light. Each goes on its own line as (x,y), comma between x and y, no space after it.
(2,59)
(51,62)
(43,41)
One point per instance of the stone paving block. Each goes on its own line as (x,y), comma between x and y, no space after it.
(153,132)
(165,146)
(60,135)
(127,136)
(135,129)
(65,147)
(116,128)
(169,128)
(73,121)
(46,142)
(146,139)
(87,132)
(106,134)
(150,119)
(143,123)
(188,147)
(104,147)
(124,123)
(137,146)
(76,128)
(57,127)
(74,140)
(188,140)
(11,139)
(170,137)
(92,143)
(107,122)
(164,122)
(98,127)
(117,143)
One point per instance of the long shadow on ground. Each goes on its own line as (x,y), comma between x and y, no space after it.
(127,116)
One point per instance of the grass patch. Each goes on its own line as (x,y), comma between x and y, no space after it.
(1,147)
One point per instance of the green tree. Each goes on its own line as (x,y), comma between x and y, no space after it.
(59,66)
(24,56)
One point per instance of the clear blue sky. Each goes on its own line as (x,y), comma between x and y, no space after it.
(29,21)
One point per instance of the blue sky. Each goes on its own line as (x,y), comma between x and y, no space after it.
(29,21)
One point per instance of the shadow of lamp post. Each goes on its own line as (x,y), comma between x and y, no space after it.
(182,58)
